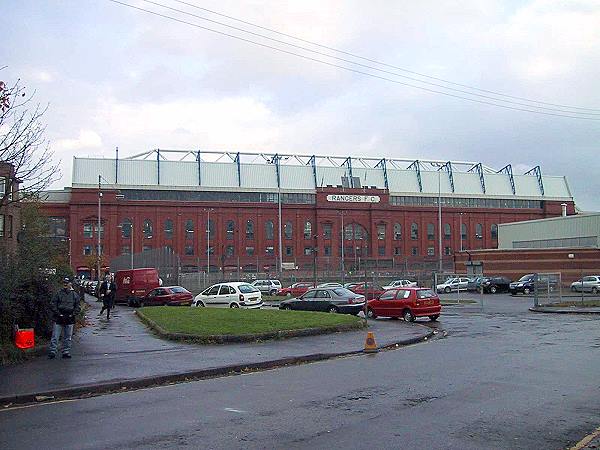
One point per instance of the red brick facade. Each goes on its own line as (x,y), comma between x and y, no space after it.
(323,215)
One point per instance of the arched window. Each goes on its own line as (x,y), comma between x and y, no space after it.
(494,231)
(230,230)
(189,229)
(126,228)
(147,230)
(414,231)
(381,232)
(229,251)
(210,228)
(463,231)
(397,231)
(168,230)
(307,230)
(287,230)
(478,231)
(447,231)
(359,232)
(269,229)
(430,232)
(249,229)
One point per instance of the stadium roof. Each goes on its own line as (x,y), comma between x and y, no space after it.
(268,172)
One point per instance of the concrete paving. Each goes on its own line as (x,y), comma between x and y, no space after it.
(123,349)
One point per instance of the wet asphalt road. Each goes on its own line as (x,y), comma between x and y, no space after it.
(502,378)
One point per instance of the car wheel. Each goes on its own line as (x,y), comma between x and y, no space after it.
(408,316)
(447,289)
(200,304)
(526,291)
(371,314)
(332,309)
(594,290)
(433,318)
(234,305)
(287,307)
(493,289)
(273,292)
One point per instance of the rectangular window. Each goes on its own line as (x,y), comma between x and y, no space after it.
(189,250)
(397,251)
(381,232)
(57,226)
(269,251)
(87,230)
(430,251)
(125,250)
(414,251)
(381,251)
(146,248)
(308,250)
(1,225)
(87,250)
(327,250)
(250,251)
(9,226)
(447,251)
(327,231)
(289,251)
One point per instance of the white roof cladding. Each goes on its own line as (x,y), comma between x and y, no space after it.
(302,173)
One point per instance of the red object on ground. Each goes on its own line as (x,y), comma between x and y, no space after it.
(25,338)
(134,284)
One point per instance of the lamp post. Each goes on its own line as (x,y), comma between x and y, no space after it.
(208,210)
(460,231)
(440,220)
(342,239)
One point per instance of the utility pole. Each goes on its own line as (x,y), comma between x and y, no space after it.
(208,210)
(440,219)
(460,231)
(343,265)
(98,251)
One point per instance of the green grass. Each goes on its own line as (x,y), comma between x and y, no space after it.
(579,303)
(225,321)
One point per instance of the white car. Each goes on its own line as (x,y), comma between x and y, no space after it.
(230,295)
(453,284)
(400,284)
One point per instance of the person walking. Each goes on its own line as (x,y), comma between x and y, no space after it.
(107,293)
(65,306)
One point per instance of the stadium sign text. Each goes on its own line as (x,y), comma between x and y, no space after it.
(353,198)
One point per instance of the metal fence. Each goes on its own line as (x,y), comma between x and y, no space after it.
(163,259)
(548,288)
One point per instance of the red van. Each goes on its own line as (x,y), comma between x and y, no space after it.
(408,303)
(134,284)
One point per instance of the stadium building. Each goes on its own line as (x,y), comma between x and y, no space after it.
(259,211)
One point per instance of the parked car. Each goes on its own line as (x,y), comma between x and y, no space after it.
(330,285)
(296,289)
(587,284)
(496,284)
(408,303)
(371,291)
(134,284)
(524,285)
(269,287)
(475,283)
(453,284)
(169,295)
(230,295)
(400,284)
(333,300)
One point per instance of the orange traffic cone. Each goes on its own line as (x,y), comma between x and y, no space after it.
(370,345)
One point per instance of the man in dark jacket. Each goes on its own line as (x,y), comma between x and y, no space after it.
(107,293)
(65,306)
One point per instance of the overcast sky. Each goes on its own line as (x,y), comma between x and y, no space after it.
(114,76)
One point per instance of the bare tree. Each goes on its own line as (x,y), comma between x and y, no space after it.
(23,145)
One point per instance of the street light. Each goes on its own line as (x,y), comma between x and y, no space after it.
(342,239)
(460,231)
(440,219)
(208,210)
(99,251)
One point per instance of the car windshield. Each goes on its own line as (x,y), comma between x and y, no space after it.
(343,292)
(247,289)
(426,293)
(525,278)
(178,290)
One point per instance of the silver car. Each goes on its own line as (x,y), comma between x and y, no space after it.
(269,287)
(587,284)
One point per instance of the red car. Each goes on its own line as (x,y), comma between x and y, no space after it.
(170,295)
(371,292)
(296,289)
(408,303)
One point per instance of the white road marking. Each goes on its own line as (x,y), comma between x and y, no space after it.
(235,410)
